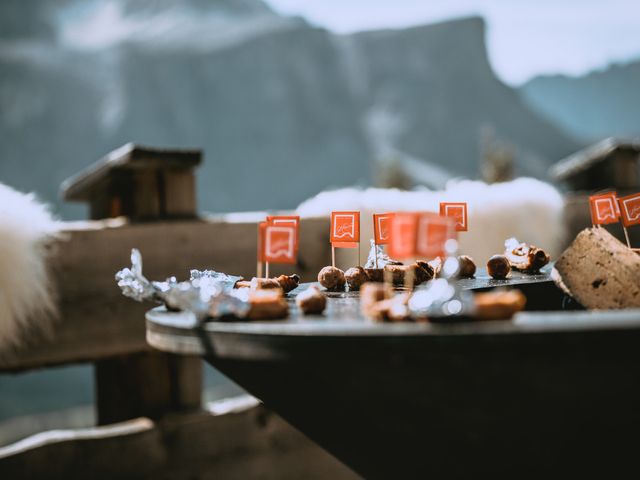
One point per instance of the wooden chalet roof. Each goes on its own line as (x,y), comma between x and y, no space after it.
(127,157)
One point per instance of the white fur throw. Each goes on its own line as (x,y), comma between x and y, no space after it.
(25,227)
(528,209)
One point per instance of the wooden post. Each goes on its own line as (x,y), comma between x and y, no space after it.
(143,183)
(148,384)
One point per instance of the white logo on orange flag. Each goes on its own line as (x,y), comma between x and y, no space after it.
(457,211)
(280,244)
(290,220)
(604,209)
(293,220)
(345,229)
(432,234)
(630,209)
(402,243)
(382,227)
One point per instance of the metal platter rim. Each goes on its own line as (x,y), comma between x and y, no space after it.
(524,323)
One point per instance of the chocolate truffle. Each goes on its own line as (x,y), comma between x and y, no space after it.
(331,278)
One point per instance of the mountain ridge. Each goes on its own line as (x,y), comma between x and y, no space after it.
(281,114)
(601,103)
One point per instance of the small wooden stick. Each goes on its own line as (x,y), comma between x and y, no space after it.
(409,278)
(375,251)
(626,236)
(333,256)
(259,263)
(267,270)
(387,277)
(358,254)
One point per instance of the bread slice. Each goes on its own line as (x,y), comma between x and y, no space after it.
(600,272)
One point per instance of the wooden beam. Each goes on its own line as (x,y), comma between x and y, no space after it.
(248,442)
(95,321)
(149,384)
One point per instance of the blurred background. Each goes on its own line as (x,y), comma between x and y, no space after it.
(289,98)
(323,93)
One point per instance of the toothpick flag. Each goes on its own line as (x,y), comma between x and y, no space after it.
(287,220)
(421,234)
(382,228)
(284,220)
(402,243)
(630,209)
(345,229)
(433,232)
(457,211)
(280,243)
(604,209)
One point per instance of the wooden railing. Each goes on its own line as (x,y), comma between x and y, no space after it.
(150,418)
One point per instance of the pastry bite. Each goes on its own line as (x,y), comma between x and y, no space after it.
(467,267)
(498,267)
(355,278)
(436,265)
(312,301)
(399,273)
(392,309)
(332,278)
(242,284)
(267,304)
(524,257)
(427,267)
(370,294)
(285,282)
(264,283)
(288,282)
(375,274)
(498,305)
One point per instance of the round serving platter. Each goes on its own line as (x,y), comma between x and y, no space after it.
(547,393)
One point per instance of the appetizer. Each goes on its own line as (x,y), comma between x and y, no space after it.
(498,267)
(378,303)
(285,282)
(524,257)
(268,304)
(499,305)
(356,277)
(332,278)
(467,267)
(312,301)
(399,273)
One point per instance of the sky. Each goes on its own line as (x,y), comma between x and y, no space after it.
(524,38)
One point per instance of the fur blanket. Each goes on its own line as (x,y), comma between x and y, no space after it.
(528,209)
(26,226)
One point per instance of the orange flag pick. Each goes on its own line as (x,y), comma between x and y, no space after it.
(382,228)
(433,232)
(280,243)
(284,220)
(345,229)
(402,242)
(604,209)
(290,220)
(457,211)
(630,209)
